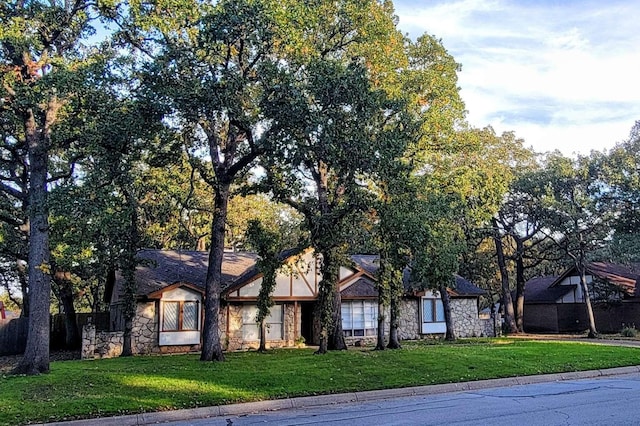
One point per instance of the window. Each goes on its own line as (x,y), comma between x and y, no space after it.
(180,316)
(274,323)
(432,310)
(360,318)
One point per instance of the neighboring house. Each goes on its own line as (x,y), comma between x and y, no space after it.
(171,292)
(557,303)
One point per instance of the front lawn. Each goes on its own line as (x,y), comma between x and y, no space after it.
(83,389)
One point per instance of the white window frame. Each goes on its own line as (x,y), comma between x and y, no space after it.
(274,323)
(437,311)
(367,318)
(180,326)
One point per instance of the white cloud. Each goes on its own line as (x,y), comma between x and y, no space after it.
(560,74)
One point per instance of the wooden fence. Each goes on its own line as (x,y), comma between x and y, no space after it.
(13,335)
(13,332)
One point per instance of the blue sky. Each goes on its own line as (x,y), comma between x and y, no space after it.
(561,74)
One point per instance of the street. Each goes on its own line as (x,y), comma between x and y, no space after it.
(610,400)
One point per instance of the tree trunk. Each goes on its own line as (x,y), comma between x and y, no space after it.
(336,338)
(593,333)
(129,270)
(450,335)
(394,311)
(211,347)
(519,308)
(324,313)
(507,302)
(21,270)
(263,336)
(36,355)
(380,334)
(65,295)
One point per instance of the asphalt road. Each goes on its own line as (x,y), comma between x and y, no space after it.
(613,400)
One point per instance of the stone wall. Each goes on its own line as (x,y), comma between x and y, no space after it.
(144,334)
(409,321)
(466,322)
(100,344)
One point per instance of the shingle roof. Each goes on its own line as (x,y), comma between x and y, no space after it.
(368,262)
(161,268)
(539,290)
(463,287)
(363,287)
(626,278)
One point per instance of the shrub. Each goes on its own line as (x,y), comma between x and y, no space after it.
(629,331)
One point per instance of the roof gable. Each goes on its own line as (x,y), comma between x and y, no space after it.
(626,278)
(162,270)
(159,269)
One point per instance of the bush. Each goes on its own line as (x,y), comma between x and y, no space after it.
(629,331)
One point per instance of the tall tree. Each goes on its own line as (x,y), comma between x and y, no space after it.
(428,85)
(208,69)
(619,169)
(334,122)
(574,217)
(40,53)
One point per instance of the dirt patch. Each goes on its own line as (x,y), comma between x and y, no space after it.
(7,362)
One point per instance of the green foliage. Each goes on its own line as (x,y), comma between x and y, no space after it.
(268,245)
(629,331)
(89,389)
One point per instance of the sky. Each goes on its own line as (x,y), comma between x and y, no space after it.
(560,74)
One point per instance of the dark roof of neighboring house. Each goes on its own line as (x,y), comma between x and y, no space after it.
(539,290)
(548,289)
(626,278)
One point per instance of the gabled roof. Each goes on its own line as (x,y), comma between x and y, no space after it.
(465,287)
(160,269)
(370,263)
(540,290)
(253,271)
(363,288)
(626,278)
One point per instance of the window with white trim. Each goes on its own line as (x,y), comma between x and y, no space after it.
(359,318)
(432,310)
(180,315)
(274,323)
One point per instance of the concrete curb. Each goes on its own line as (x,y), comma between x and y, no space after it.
(342,398)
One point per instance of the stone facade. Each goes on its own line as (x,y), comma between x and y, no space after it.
(466,321)
(409,321)
(144,333)
(144,337)
(100,344)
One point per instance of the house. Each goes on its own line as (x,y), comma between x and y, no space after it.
(557,303)
(171,292)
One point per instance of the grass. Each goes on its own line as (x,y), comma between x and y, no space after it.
(85,389)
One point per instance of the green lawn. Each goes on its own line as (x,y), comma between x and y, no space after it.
(82,389)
